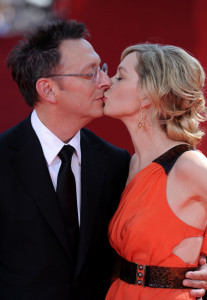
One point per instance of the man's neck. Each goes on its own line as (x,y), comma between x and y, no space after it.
(63,128)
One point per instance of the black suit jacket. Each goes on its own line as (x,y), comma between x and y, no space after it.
(35,255)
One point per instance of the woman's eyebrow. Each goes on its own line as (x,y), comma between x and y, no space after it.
(120,68)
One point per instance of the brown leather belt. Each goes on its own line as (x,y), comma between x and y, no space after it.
(153,276)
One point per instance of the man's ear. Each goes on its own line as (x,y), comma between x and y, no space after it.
(46,89)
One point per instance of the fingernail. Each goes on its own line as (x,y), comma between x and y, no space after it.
(188,274)
(185,282)
(192,293)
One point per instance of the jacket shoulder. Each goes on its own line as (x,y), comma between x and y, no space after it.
(15,134)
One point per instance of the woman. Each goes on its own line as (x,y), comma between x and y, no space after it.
(159,225)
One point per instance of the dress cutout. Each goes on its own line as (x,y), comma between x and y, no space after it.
(145,230)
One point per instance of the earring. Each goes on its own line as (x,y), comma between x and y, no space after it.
(141,117)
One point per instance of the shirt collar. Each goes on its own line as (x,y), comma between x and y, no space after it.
(51,144)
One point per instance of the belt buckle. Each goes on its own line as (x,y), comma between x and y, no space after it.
(140,274)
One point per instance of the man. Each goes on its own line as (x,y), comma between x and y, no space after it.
(58,74)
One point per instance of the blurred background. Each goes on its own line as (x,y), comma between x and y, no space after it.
(113,25)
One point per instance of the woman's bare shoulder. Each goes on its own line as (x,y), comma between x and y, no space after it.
(191,168)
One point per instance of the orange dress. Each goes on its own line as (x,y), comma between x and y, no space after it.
(145,230)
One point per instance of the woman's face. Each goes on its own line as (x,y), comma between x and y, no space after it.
(123,99)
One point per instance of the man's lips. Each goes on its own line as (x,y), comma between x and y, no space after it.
(102,98)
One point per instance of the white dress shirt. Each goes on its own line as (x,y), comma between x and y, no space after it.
(51,146)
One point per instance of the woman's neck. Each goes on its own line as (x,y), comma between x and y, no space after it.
(149,142)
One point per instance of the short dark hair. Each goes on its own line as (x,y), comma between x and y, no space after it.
(37,55)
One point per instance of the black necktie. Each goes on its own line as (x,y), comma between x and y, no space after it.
(66,191)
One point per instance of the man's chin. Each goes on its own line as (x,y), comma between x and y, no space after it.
(101,114)
(98,114)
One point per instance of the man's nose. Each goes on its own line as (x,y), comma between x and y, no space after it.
(104,80)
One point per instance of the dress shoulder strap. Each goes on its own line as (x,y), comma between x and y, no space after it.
(168,159)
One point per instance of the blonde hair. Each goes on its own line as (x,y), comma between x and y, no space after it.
(174,81)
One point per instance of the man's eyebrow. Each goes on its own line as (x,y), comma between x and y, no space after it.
(91,65)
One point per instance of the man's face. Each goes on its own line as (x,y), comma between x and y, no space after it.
(80,97)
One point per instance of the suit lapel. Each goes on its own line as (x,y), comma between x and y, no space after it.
(30,167)
(93,172)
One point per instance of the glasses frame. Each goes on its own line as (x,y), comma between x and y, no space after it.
(94,75)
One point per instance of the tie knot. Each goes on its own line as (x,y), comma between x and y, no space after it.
(66,153)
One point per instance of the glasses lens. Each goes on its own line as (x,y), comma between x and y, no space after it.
(105,68)
(97,70)
(96,74)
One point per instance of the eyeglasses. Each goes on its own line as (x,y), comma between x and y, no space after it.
(94,75)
